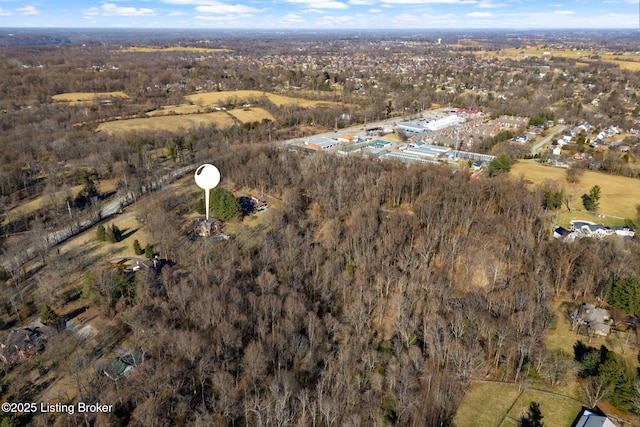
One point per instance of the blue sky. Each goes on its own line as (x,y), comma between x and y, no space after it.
(319,14)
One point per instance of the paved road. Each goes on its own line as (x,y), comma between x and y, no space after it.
(535,148)
(109,209)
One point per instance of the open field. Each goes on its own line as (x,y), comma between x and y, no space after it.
(499,404)
(83,97)
(250,115)
(174,49)
(177,109)
(167,123)
(86,243)
(210,99)
(620,194)
(626,60)
(555,410)
(486,404)
(57,198)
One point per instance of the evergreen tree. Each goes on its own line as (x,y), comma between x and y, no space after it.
(89,190)
(47,315)
(113,234)
(500,164)
(101,233)
(621,379)
(224,204)
(591,201)
(137,249)
(533,417)
(148,251)
(624,294)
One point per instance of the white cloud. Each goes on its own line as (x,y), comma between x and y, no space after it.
(28,11)
(375,10)
(564,12)
(292,18)
(319,4)
(110,9)
(479,15)
(222,9)
(362,2)
(5,12)
(429,1)
(489,5)
(191,2)
(177,13)
(425,19)
(91,12)
(217,18)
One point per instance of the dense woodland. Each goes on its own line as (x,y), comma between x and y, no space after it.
(373,295)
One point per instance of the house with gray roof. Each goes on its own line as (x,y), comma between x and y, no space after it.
(592,418)
(597,320)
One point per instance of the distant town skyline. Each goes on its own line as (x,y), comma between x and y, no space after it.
(319,14)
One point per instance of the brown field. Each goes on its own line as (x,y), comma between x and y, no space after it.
(620,194)
(174,118)
(84,97)
(177,109)
(626,60)
(251,115)
(174,49)
(244,115)
(167,123)
(210,99)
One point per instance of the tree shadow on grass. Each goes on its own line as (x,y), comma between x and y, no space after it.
(126,233)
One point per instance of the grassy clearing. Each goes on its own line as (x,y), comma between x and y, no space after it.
(177,109)
(211,99)
(167,123)
(561,337)
(497,405)
(58,198)
(251,115)
(87,245)
(555,410)
(485,405)
(620,194)
(81,97)
(173,49)
(193,113)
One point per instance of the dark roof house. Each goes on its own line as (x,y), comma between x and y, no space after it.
(21,344)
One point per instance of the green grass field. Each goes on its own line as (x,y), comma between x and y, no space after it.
(556,410)
(620,194)
(498,405)
(486,404)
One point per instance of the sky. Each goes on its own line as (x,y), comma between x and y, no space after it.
(322,15)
